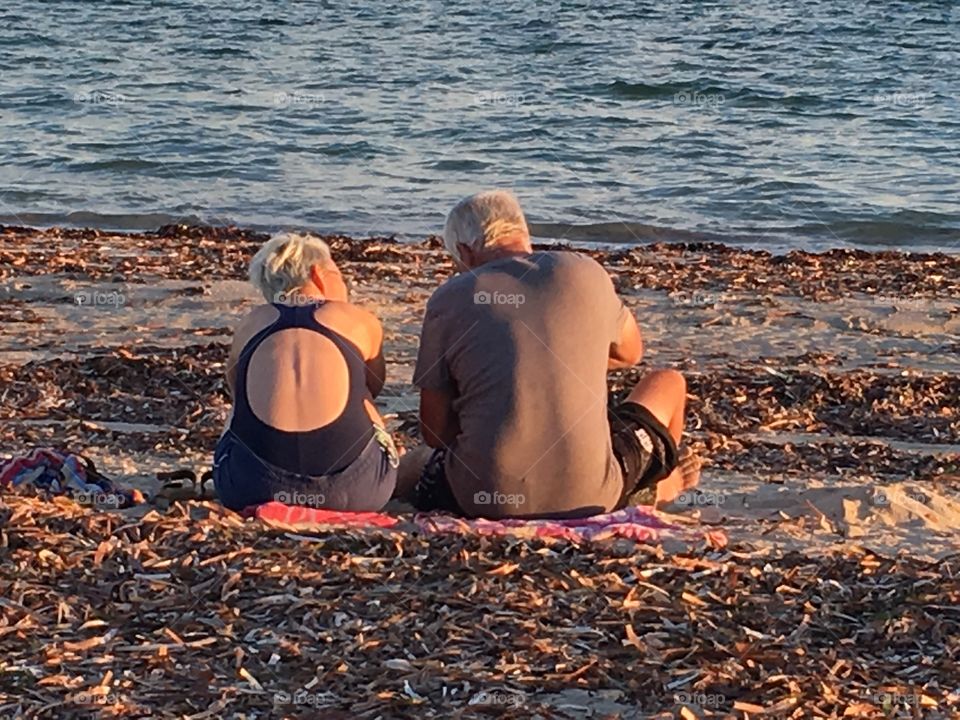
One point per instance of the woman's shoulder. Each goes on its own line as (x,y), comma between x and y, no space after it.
(352,322)
(262,315)
(259,318)
(345,311)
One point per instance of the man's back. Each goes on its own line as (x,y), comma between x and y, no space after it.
(522,344)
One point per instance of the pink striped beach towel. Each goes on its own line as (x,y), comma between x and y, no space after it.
(638,523)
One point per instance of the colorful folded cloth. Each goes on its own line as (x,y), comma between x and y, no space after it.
(62,473)
(638,523)
(634,523)
(306,517)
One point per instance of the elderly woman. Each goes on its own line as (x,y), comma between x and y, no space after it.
(304,370)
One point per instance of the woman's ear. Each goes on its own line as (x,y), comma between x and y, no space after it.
(329,282)
(316,277)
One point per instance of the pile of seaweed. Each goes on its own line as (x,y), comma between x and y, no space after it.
(196,613)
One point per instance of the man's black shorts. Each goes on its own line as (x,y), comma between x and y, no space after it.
(642,445)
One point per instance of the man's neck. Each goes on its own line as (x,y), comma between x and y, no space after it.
(504,252)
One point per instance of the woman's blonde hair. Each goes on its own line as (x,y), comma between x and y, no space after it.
(283,263)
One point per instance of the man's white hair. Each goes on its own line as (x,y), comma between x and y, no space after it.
(483,221)
(283,263)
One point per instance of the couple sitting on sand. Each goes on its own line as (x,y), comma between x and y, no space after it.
(512,371)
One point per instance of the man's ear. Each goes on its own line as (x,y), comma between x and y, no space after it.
(467,257)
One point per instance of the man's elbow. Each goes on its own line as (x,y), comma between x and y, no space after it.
(625,357)
(618,364)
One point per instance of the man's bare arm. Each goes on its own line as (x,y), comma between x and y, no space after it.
(438,422)
(628,349)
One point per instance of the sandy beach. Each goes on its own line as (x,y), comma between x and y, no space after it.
(823,399)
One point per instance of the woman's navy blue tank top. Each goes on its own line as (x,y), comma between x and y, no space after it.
(320,451)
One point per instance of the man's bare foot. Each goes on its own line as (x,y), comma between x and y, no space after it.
(685,476)
(669,488)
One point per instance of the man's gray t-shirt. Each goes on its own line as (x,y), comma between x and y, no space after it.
(522,345)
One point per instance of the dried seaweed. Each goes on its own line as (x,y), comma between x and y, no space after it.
(890,403)
(195,611)
(224,252)
(136,386)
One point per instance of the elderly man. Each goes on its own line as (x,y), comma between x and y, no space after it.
(303,371)
(512,372)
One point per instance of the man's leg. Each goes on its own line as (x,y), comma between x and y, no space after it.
(664,394)
(422,481)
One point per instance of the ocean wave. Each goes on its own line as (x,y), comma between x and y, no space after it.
(100,221)
(639,90)
(707,91)
(908,230)
(917,233)
(626,233)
